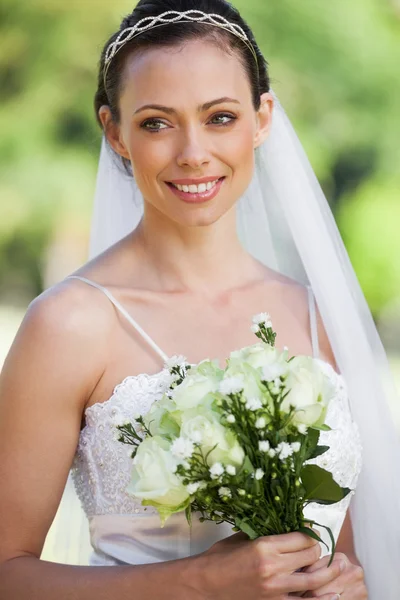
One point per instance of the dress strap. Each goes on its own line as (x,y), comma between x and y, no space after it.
(313,322)
(122,310)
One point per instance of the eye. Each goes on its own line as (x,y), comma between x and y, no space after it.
(152,124)
(224,116)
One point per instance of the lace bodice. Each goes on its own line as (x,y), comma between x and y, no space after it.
(102,465)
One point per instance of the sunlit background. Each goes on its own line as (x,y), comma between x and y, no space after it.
(335,67)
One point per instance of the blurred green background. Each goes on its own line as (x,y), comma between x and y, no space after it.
(335,67)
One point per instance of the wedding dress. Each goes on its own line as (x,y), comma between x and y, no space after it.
(122,531)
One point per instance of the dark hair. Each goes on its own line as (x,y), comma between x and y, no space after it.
(173,35)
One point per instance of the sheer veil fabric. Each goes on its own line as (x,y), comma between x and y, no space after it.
(285,221)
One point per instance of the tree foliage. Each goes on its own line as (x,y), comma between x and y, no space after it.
(333,65)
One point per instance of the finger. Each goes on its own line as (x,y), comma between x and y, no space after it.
(324,561)
(348,579)
(293,561)
(337,586)
(328,597)
(302,582)
(291,542)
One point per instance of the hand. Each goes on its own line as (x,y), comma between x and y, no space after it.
(349,584)
(264,569)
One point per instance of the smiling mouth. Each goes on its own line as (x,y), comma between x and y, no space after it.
(196,189)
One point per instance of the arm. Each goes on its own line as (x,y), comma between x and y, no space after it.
(52,368)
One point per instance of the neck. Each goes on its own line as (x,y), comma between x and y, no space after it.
(207,260)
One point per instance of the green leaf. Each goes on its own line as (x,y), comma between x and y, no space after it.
(166,511)
(322,427)
(312,534)
(311,443)
(329,530)
(246,528)
(320,486)
(246,466)
(188,513)
(319,450)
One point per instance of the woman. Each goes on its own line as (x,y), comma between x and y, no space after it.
(192,289)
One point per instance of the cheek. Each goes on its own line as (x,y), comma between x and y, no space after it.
(240,147)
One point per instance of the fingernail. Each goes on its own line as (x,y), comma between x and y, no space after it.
(335,597)
(342,567)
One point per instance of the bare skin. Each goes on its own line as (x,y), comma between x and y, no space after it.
(184,277)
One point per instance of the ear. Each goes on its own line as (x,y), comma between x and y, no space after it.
(112,131)
(264,118)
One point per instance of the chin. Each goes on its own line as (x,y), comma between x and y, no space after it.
(204,217)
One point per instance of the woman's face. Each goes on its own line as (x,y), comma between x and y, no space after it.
(187,116)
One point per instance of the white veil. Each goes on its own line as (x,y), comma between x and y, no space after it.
(285,221)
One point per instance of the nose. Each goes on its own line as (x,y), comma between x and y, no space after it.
(193,151)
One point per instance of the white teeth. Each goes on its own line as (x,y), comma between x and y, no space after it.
(196,189)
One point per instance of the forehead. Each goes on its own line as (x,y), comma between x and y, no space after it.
(177,76)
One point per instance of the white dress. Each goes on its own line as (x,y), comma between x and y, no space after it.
(124,532)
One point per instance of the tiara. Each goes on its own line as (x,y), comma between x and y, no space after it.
(173,16)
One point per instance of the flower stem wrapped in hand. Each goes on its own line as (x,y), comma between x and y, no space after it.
(235,444)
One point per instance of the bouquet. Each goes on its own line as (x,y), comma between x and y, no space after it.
(234,444)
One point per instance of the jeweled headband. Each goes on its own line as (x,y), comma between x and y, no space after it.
(173,16)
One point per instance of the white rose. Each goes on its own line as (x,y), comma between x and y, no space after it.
(193,389)
(258,355)
(154,480)
(163,418)
(250,380)
(206,430)
(310,391)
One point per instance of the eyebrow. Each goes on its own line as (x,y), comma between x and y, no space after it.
(200,108)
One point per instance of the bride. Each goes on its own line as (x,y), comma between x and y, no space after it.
(206,213)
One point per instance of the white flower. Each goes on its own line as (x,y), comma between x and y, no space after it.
(230,469)
(271,453)
(310,391)
(284,450)
(231,385)
(260,423)
(262,319)
(216,470)
(194,389)
(259,474)
(202,426)
(253,404)
(296,446)
(301,428)
(153,477)
(182,448)
(224,491)
(231,418)
(255,328)
(273,371)
(175,361)
(193,487)
(258,355)
(264,445)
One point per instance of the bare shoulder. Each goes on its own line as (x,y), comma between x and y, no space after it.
(68,305)
(65,329)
